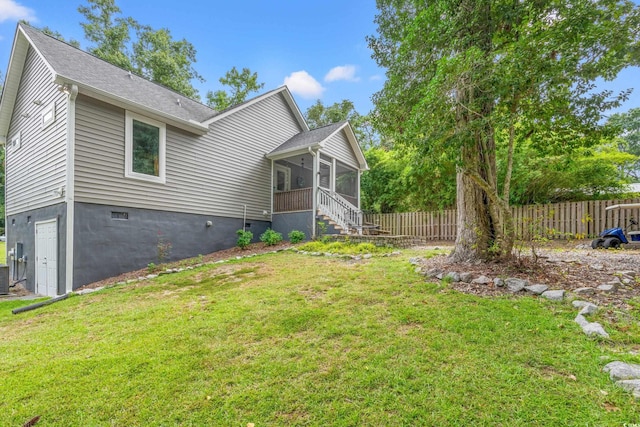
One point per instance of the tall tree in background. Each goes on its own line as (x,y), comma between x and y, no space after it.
(154,54)
(319,115)
(466,76)
(628,124)
(240,86)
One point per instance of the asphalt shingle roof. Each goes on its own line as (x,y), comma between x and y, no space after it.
(308,138)
(78,66)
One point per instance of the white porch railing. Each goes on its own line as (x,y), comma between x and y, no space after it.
(343,213)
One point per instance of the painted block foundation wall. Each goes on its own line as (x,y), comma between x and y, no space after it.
(110,240)
(21,228)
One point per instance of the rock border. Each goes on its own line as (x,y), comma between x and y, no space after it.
(625,375)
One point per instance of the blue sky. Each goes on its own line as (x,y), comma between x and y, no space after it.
(317,48)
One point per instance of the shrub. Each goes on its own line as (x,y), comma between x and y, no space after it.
(271,237)
(296,236)
(244,238)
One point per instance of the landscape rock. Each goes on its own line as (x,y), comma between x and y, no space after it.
(579,304)
(516,285)
(439,276)
(588,309)
(433,272)
(151,276)
(595,328)
(622,371)
(608,287)
(453,276)
(581,320)
(498,282)
(482,280)
(367,256)
(536,289)
(584,291)
(598,267)
(418,270)
(466,277)
(628,273)
(414,261)
(555,295)
(632,386)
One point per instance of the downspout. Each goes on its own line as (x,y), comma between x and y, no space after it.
(314,192)
(70,187)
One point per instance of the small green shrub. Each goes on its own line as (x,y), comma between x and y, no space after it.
(244,238)
(322,228)
(271,237)
(296,236)
(151,267)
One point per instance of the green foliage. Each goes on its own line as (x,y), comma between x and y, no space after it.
(319,115)
(154,54)
(457,81)
(628,127)
(321,228)
(296,236)
(344,248)
(271,237)
(240,86)
(244,238)
(152,267)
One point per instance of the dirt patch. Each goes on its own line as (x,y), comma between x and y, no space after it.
(559,266)
(254,249)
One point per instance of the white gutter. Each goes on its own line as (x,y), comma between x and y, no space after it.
(72,92)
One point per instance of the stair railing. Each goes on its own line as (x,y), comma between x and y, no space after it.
(339,210)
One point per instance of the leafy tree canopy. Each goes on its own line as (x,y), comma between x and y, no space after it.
(240,85)
(468,76)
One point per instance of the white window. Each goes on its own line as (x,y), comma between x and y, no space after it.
(48,115)
(145,145)
(14,142)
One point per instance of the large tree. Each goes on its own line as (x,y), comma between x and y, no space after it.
(240,85)
(465,76)
(628,126)
(153,54)
(318,115)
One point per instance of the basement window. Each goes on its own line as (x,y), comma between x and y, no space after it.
(120,215)
(145,145)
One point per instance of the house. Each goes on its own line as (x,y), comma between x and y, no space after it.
(107,172)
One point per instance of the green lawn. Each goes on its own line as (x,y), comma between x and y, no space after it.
(287,339)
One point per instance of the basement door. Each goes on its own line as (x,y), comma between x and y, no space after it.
(47,258)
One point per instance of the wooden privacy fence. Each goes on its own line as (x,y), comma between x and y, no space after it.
(554,221)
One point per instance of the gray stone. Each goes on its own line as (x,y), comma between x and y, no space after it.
(466,277)
(598,267)
(584,291)
(555,295)
(418,270)
(622,371)
(84,291)
(536,289)
(151,276)
(581,320)
(367,256)
(498,282)
(632,386)
(482,280)
(579,304)
(627,281)
(608,288)
(453,276)
(433,272)
(439,276)
(629,273)
(595,328)
(588,309)
(516,285)
(414,261)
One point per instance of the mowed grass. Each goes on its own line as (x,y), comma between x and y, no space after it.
(286,339)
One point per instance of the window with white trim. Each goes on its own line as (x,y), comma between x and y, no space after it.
(145,146)
(48,115)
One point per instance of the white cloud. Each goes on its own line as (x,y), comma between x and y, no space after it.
(342,72)
(303,84)
(12,11)
(375,77)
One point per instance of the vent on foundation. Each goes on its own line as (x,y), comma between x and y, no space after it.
(119,215)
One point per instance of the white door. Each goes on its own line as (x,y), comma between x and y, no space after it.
(47,258)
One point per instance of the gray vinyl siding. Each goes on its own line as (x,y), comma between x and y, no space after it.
(215,174)
(338,147)
(38,167)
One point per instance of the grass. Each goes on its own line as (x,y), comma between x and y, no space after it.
(287,339)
